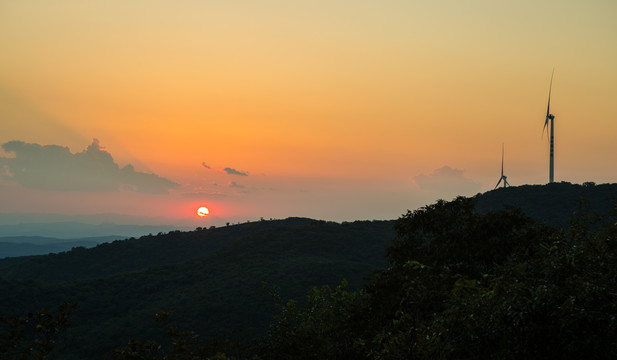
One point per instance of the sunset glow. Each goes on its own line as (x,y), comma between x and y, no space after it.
(327,109)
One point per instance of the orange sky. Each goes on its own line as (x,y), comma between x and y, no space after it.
(333,108)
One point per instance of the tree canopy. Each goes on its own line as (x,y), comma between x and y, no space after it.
(463,285)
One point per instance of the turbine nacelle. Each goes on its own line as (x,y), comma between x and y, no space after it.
(549,117)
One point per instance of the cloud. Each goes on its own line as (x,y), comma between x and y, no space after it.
(447,181)
(53,167)
(203,194)
(206,166)
(231,171)
(234,184)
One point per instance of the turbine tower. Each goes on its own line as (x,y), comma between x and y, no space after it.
(551,135)
(503,177)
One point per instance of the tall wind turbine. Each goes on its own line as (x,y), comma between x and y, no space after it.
(551,135)
(503,177)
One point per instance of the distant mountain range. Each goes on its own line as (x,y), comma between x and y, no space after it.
(43,238)
(13,246)
(75,230)
(211,280)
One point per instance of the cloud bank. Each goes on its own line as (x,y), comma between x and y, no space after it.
(53,167)
(231,171)
(447,181)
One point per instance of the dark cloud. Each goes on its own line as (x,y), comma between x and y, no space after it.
(53,167)
(231,171)
(447,181)
(234,184)
(206,166)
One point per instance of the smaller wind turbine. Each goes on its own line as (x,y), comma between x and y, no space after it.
(503,177)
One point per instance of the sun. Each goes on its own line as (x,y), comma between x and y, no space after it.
(203,211)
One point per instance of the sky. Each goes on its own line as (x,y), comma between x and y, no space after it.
(337,110)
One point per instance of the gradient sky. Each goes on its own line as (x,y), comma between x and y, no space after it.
(336,110)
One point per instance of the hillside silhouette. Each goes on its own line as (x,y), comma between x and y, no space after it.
(212,280)
(131,254)
(554,204)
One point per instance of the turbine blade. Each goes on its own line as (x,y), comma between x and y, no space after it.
(545,128)
(548,108)
(499,182)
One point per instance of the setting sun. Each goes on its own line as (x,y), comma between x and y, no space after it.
(203,211)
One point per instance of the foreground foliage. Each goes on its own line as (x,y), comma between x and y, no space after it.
(34,335)
(461,285)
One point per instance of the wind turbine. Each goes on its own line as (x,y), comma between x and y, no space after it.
(503,177)
(551,135)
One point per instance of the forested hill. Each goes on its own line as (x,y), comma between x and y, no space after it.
(148,251)
(210,280)
(554,204)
